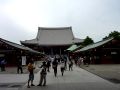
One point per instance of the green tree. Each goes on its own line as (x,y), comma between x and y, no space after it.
(114,34)
(87,41)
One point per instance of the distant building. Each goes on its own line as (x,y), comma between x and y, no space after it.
(53,40)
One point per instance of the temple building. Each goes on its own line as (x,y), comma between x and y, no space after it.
(53,41)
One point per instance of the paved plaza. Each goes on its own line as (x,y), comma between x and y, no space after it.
(110,72)
(78,79)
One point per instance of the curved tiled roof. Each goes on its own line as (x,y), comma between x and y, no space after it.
(54,36)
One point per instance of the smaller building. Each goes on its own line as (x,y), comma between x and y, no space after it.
(11,52)
(103,52)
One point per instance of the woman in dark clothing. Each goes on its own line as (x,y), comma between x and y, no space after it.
(54,65)
(62,67)
(70,65)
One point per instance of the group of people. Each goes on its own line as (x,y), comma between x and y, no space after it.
(86,60)
(63,65)
(45,67)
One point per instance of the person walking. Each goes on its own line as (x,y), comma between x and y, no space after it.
(65,61)
(31,73)
(54,65)
(43,74)
(70,65)
(48,65)
(19,66)
(62,67)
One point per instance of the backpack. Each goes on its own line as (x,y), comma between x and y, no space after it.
(43,71)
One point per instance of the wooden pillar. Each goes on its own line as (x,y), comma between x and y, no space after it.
(52,51)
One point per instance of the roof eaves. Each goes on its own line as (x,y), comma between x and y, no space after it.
(97,44)
(18,46)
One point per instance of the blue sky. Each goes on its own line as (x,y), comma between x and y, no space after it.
(20,19)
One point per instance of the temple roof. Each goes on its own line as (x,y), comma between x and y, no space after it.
(54,36)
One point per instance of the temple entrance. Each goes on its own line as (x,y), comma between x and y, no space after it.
(54,50)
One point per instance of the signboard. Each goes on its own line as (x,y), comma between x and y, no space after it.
(23,60)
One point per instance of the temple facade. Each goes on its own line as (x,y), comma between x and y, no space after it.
(52,41)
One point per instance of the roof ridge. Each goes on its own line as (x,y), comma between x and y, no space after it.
(102,42)
(54,28)
(20,46)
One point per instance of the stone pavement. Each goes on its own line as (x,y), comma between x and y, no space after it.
(10,80)
(109,72)
(78,79)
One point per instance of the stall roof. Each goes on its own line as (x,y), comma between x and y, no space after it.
(73,47)
(18,46)
(97,44)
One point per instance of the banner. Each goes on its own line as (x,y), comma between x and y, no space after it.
(23,60)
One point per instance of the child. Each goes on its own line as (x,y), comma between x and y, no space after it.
(31,74)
